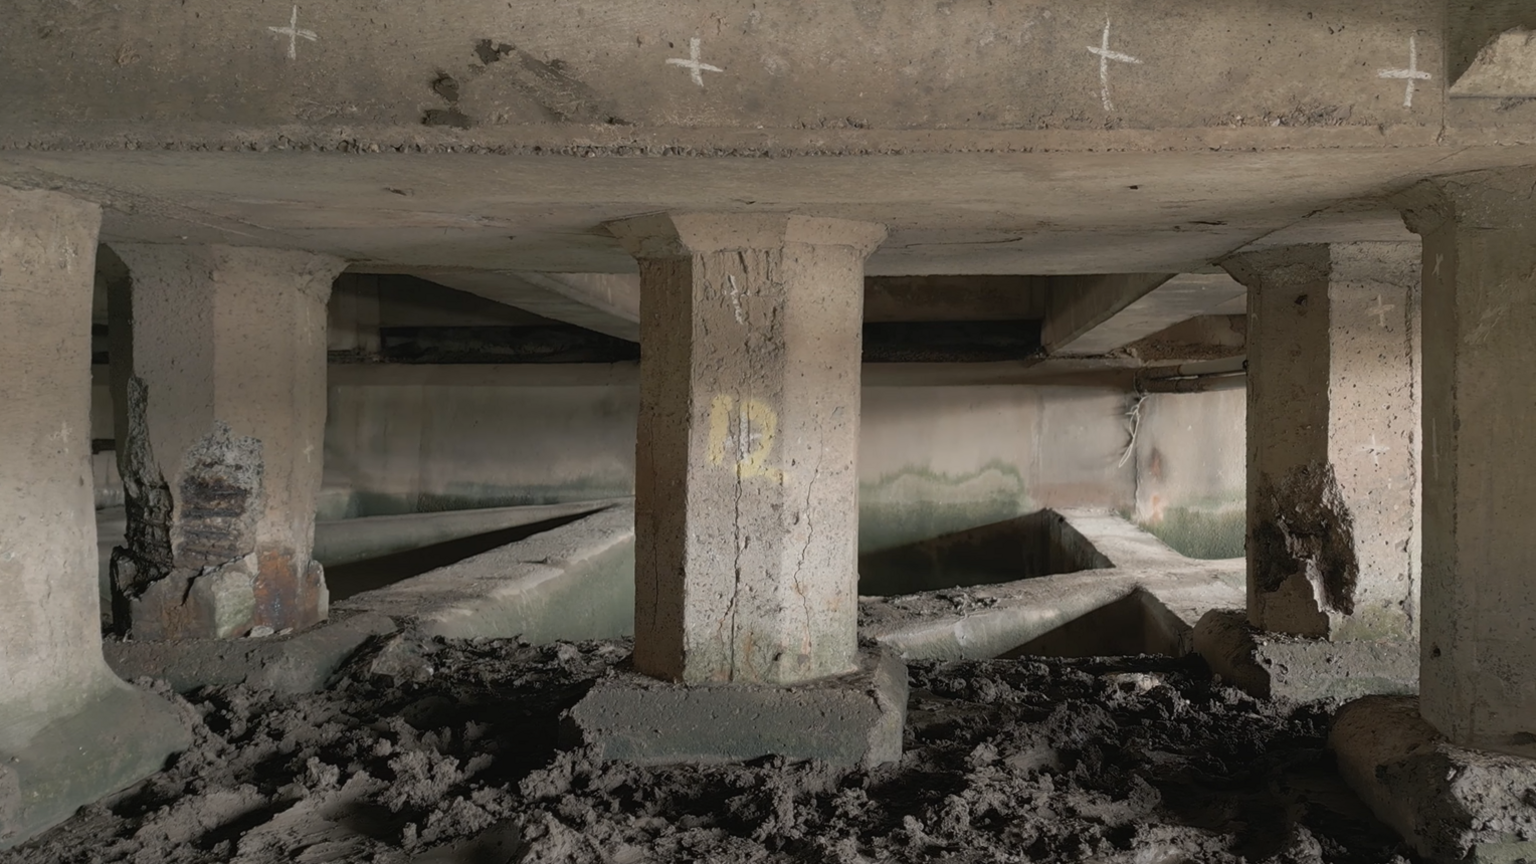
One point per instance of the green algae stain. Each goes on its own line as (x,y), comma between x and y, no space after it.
(917,503)
(1200,532)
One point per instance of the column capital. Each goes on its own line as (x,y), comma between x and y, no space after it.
(680,235)
(1476,199)
(1307,263)
(313,272)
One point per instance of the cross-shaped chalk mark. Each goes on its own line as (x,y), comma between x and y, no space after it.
(1412,74)
(294,34)
(692,64)
(1105,55)
(1380,310)
(1376,451)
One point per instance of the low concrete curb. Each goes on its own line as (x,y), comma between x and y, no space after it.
(301,663)
(115,739)
(1452,804)
(1269,665)
(854,719)
(573,582)
(986,621)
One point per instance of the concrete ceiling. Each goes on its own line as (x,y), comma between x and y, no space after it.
(995,213)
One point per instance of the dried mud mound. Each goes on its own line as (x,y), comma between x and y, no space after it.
(438,752)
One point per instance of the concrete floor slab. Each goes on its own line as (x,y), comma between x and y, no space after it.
(1451,803)
(854,719)
(1273,665)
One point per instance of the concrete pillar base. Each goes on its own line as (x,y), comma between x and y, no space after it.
(115,739)
(1451,803)
(1276,666)
(853,719)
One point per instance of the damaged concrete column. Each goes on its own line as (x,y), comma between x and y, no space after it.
(1424,765)
(1333,478)
(745,489)
(70,731)
(218,375)
(746,525)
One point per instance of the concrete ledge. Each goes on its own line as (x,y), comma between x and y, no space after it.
(301,663)
(1268,665)
(116,739)
(1450,803)
(986,621)
(573,582)
(854,719)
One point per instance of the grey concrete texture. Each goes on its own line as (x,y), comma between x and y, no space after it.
(1080,306)
(1478,680)
(746,492)
(732,65)
(856,718)
(69,731)
(1333,439)
(572,582)
(220,391)
(986,621)
(1278,666)
(289,663)
(1451,803)
(1179,299)
(1191,471)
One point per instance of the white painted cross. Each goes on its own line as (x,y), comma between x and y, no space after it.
(1380,310)
(1105,55)
(294,34)
(1411,74)
(692,64)
(1376,451)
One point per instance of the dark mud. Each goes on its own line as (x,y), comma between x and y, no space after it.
(444,752)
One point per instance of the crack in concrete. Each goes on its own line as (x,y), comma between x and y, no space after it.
(810,534)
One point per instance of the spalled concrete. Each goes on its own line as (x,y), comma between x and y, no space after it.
(70,731)
(746,524)
(1278,666)
(852,719)
(219,385)
(1478,678)
(1451,803)
(287,663)
(1333,418)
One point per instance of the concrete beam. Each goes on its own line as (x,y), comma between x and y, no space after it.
(605,302)
(1186,296)
(1079,308)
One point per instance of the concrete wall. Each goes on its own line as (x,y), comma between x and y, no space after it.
(931,460)
(1191,471)
(404,439)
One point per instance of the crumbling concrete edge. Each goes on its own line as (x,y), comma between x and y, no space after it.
(1275,666)
(300,663)
(1450,803)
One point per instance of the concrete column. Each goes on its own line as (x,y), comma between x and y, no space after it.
(1478,673)
(1333,450)
(69,731)
(746,496)
(219,365)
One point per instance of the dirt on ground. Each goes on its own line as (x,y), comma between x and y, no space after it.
(428,752)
